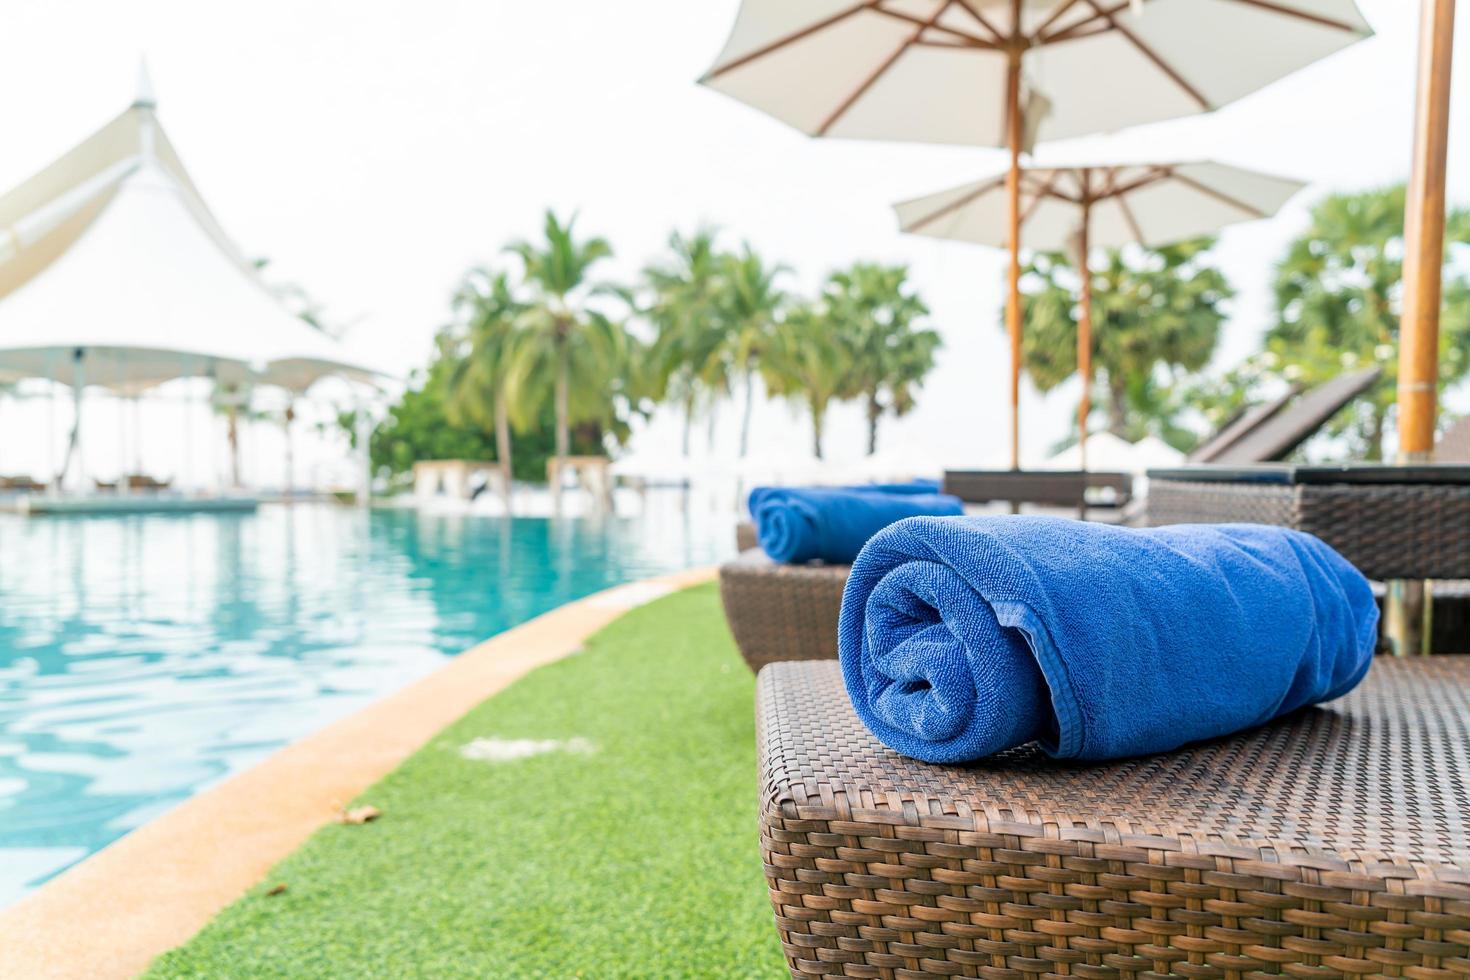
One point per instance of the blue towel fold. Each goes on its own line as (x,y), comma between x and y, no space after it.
(799,524)
(760,495)
(963,637)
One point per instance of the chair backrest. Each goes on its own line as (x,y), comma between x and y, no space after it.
(1288,427)
(1239,425)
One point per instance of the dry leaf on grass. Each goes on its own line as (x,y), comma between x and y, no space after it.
(276,889)
(360,814)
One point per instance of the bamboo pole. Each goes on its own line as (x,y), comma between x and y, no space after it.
(1408,615)
(1424,234)
(1084,332)
(1013,206)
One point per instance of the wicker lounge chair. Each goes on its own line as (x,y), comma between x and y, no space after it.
(1080,489)
(773,618)
(1271,431)
(782,612)
(1335,842)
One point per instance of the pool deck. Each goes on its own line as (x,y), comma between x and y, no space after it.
(113,913)
(113,504)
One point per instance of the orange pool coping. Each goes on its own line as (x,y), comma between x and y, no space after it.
(149,891)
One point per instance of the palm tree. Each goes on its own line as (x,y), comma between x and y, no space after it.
(876,314)
(1153,310)
(806,359)
(749,306)
(481,376)
(1338,301)
(556,322)
(686,355)
(231,400)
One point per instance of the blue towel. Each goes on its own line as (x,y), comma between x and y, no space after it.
(962,638)
(800,524)
(760,495)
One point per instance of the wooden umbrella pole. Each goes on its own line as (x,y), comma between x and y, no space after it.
(1424,220)
(1013,205)
(1407,617)
(1084,333)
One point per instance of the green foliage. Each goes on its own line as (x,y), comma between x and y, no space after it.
(635,860)
(876,315)
(748,305)
(578,357)
(1339,296)
(1156,318)
(537,350)
(419,426)
(808,359)
(687,359)
(858,340)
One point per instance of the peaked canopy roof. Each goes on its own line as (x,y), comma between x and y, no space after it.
(114,272)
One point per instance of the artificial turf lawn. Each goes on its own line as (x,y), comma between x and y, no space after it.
(639,859)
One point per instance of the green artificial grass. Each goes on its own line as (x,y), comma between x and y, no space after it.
(637,859)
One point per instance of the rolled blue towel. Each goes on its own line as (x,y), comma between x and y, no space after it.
(799,524)
(960,638)
(760,495)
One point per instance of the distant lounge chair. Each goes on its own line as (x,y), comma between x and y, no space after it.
(1269,432)
(1331,843)
(773,618)
(1082,489)
(142,481)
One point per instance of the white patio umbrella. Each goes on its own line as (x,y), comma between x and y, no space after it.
(1077,208)
(1011,72)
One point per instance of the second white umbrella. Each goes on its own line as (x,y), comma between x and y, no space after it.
(1076,208)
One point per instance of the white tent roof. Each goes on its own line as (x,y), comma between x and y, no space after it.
(113,271)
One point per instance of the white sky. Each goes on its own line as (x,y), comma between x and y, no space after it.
(373,151)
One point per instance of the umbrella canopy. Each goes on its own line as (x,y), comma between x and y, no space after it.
(1010,72)
(1075,208)
(935,71)
(1145,204)
(114,272)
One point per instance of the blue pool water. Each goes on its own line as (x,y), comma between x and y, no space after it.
(144,658)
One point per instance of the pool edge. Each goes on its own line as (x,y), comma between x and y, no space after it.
(149,891)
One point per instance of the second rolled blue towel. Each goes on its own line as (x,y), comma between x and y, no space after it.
(960,638)
(831,524)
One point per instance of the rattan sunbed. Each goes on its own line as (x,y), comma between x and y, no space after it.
(1335,842)
(782,612)
(779,613)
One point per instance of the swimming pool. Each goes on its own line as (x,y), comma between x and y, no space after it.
(145,658)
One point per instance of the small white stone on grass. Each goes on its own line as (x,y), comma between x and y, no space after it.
(510,749)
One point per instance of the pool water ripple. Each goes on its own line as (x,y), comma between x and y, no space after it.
(145,658)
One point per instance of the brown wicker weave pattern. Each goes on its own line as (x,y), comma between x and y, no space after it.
(1388,530)
(1335,842)
(1059,488)
(782,612)
(1181,502)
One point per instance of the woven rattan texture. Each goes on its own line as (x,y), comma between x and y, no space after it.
(1333,843)
(1389,531)
(782,612)
(1063,489)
